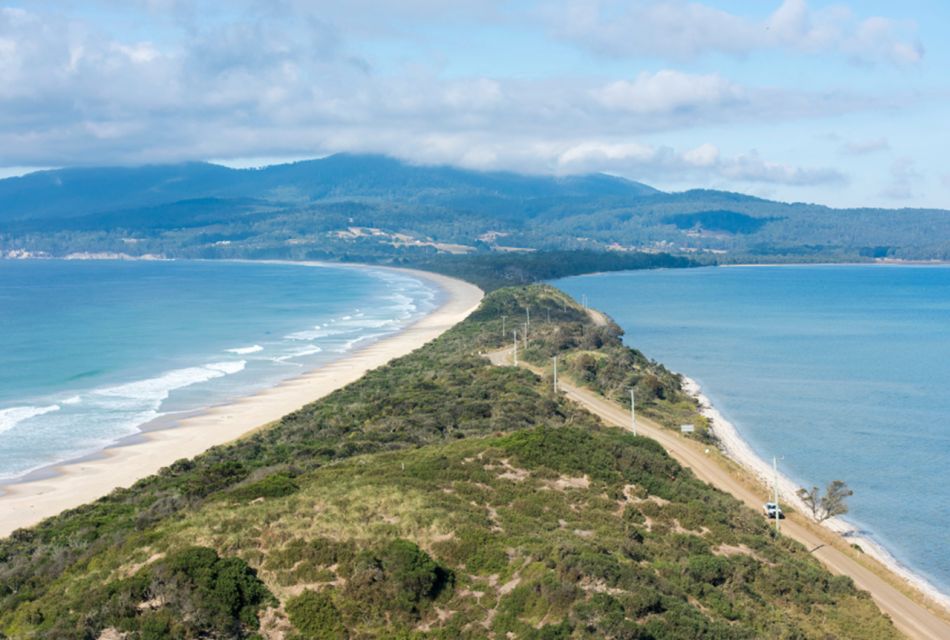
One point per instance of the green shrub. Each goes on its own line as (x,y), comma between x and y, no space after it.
(315,617)
(190,593)
(273,486)
(708,569)
(400,578)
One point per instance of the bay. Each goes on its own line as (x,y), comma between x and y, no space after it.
(90,351)
(840,371)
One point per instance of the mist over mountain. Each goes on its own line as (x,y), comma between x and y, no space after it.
(366,205)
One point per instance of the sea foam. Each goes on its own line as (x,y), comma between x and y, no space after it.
(158,388)
(241,351)
(13,416)
(298,353)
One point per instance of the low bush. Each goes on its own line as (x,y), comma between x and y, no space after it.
(273,486)
(315,617)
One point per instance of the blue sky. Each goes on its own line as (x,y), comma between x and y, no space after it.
(839,103)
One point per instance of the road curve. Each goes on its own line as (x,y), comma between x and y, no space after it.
(910,618)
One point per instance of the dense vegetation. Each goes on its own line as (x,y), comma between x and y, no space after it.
(590,351)
(350,207)
(493,271)
(437,497)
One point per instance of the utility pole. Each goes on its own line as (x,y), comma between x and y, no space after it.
(775,480)
(527,322)
(515,332)
(633,413)
(525,335)
(555,374)
(503,318)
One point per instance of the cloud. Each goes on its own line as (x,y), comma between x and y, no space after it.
(702,162)
(752,168)
(864,147)
(680,30)
(290,82)
(668,91)
(290,85)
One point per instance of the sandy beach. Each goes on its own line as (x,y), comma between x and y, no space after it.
(27,503)
(736,448)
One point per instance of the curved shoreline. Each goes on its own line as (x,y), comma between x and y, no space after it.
(737,449)
(24,504)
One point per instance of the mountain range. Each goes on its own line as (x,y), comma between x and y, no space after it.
(374,206)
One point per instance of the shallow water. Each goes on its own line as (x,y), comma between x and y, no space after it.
(841,371)
(92,350)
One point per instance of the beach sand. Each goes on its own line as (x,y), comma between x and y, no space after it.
(736,448)
(73,484)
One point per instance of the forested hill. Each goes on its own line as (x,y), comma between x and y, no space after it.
(439,497)
(79,192)
(374,207)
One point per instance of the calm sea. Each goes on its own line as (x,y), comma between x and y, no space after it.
(841,371)
(92,350)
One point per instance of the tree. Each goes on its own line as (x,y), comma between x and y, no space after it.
(833,504)
(812,500)
(829,505)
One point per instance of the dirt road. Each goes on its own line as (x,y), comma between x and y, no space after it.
(909,617)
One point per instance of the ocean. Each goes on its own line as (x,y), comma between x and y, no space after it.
(92,351)
(842,372)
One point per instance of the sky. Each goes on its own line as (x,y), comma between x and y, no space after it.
(839,103)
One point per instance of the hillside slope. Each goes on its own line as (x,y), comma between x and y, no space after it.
(438,497)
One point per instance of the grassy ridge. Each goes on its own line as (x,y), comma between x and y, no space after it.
(437,497)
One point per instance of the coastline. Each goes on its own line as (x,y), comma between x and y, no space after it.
(739,451)
(72,484)
(871,263)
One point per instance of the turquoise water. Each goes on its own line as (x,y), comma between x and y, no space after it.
(842,371)
(92,350)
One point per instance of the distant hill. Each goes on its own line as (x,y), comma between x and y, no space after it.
(374,207)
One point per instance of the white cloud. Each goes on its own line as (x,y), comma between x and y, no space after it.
(479,94)
(283,86)
(590,155)
(683,30)
(288,84)
(141,52)
(705,155)
(702,163)
(669,90)
(752,168)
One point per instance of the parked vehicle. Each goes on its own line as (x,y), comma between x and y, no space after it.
(772,510)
